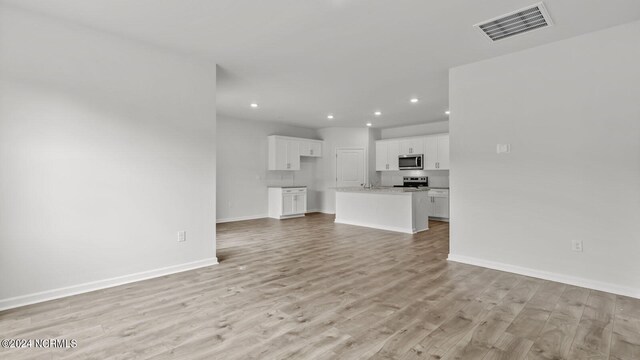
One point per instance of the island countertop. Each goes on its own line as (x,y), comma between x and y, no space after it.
(387,208)
(381,190)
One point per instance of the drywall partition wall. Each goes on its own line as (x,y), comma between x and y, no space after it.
(568,109)
(337,138)
(242,168)
(415,130)
(107,151)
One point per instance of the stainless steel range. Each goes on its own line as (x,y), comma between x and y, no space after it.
(414,181)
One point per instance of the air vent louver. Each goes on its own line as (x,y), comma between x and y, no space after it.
(517,22)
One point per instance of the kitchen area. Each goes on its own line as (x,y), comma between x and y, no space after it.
(410,187)
(404,205)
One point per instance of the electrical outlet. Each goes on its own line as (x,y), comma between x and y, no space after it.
(576,245)
(182,236)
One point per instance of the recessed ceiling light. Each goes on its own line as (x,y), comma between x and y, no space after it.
(329,117)
(254,105)
(377,113)
(369,124)
(414,100)
(447,112)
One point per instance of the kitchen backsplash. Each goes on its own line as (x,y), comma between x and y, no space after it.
(437,178)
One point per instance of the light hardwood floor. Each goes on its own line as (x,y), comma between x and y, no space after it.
(310,289)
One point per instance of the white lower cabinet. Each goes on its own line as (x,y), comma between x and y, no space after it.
(438,203)
(287,202)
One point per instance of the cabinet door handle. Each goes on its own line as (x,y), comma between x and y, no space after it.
(311,151)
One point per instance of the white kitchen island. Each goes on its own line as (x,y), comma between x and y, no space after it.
(395,209)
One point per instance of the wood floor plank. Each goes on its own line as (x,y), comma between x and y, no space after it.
(532,319)
(509,347)
(593,336)
(479,341)
(625,340)
(556,337)
(308,288)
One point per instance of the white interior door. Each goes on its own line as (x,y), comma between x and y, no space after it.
(350,167)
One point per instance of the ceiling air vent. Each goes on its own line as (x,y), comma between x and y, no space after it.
(516,22)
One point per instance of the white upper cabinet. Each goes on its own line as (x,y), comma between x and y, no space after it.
(393,151)
(293,154)
(436,152)
(443,152)
(311,148)
(430,152)
(316,149)
(381,156)
(435,149)
(411,146)
(387,152)
(285,152)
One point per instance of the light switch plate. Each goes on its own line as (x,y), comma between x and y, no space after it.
(503,148)
(182,236)
(576,245)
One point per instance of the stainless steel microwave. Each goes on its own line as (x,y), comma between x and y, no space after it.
(410,162)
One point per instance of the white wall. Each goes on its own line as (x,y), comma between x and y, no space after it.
(107,150)
(438,127)
(337,138)
(571,112)
(242,168)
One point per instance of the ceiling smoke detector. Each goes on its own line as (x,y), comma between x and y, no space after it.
(516,22)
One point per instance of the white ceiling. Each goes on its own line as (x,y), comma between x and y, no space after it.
(303,59)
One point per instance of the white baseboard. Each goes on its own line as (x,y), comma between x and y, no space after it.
(101,284)
(253,217)
(546,275)
(375,226)
(242,218)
